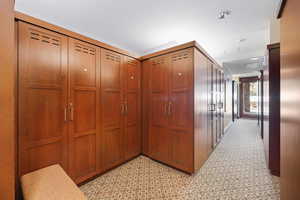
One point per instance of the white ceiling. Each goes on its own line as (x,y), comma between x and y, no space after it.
(244,66)
(144,26)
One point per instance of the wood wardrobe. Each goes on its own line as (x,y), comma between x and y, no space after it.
(183,115)
(80,103)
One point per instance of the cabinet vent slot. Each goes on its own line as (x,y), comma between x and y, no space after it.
(158,62)
(44,38)
(180,56)
(84,49)
(112,57)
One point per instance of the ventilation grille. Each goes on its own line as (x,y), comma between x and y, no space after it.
(112,57)
(158,62)
(132,62)
(42,37)
(181,55)
(84,49)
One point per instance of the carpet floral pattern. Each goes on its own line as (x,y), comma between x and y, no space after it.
(236,170)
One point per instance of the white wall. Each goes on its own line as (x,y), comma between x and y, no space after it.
(274,31)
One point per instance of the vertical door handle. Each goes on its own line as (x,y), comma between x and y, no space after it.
(126,107)
(166,109)
(122,109)
(65,113)
(71,111)
(170,108)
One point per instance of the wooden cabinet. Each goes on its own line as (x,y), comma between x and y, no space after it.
(112,108)
(271,109)
(84,108)
(42,88)
(178,94)
(79,104)
(159,140)
(132,107)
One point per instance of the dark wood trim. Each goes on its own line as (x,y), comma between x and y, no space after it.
(248,79)
(273,46)
(32,20)
(7,106)
(280,8)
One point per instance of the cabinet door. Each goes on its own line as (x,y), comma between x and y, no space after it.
(132,93)
(180,109)
(158,120)
(42,98)
(84,70)
(112,109)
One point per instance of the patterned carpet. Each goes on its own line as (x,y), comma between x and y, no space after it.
(235,170)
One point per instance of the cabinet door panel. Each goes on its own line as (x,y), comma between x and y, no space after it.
(84,108)
(181,91)
(84,154)
(132,79)
(42,98)
(182,150)
(112,109)
(159,143)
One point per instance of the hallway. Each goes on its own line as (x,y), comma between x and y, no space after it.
(235,170)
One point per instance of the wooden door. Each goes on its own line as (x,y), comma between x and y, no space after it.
(180,109)
(84,107)
(112,140)
(132,103)
(158,119)
(42,98)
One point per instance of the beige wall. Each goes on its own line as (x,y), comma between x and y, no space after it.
(274,28)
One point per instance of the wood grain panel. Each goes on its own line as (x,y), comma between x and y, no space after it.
(146,67)
(181,105)
(159,144)
(84,107)
(290,98)
(8,137)
(42,98)
(202,116)
(112,94)
(132,92)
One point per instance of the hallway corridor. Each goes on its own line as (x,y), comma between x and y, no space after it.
(235,170)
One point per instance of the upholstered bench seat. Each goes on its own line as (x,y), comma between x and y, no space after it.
(50,183)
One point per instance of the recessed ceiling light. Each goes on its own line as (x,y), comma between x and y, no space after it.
(255,58)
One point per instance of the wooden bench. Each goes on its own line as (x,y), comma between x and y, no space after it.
(50,183)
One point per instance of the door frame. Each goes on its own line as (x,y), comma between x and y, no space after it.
(243,80)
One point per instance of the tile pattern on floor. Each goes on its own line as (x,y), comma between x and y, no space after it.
(235,170)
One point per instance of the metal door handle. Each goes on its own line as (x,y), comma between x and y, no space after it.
(170,108)
(65,113)
(126,108)
(166,109)
(122,109)
(71,111)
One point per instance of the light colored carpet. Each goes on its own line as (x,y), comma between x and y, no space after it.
(235,170)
